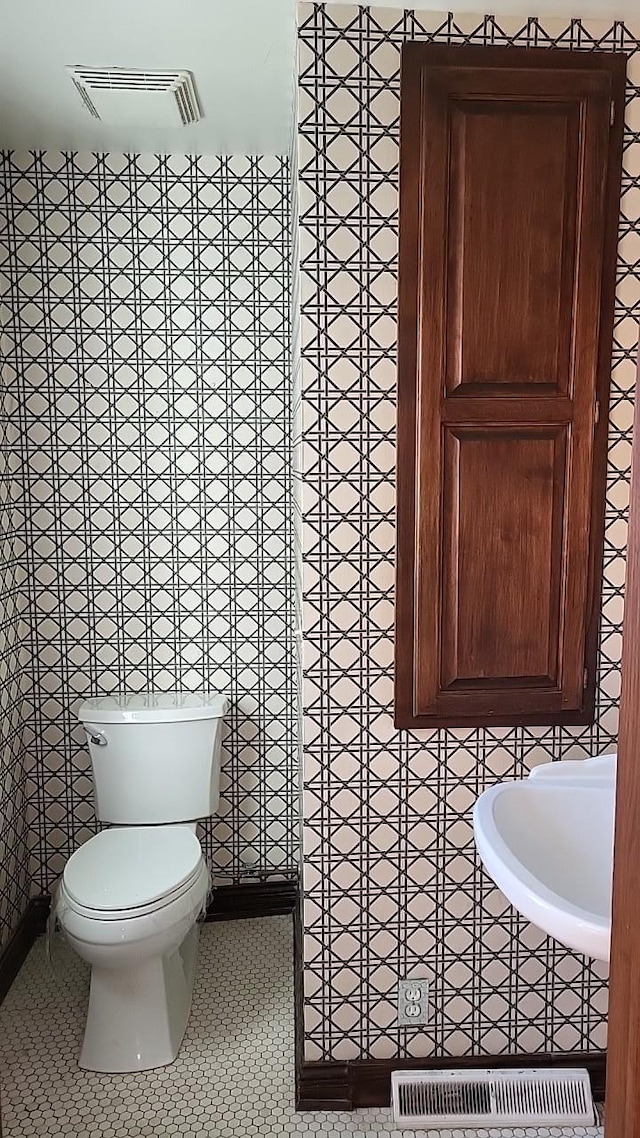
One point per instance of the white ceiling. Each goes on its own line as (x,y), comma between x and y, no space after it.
(241,53)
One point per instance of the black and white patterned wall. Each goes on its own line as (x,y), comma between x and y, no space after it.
(393,885)
(14,679)
(147,344)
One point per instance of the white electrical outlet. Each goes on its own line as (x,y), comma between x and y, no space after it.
(413,1002)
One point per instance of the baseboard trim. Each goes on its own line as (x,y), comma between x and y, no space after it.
(252,899)
(367,1082)
(298,995)
(15,952)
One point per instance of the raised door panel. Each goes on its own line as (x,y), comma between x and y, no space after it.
(512,240)
(491,593)
(502,556)
(510,173)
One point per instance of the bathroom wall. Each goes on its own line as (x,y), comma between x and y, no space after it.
(148,330)
(14,681)
(296,452)
(393,886)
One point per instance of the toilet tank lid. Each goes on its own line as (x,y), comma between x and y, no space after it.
(153,707)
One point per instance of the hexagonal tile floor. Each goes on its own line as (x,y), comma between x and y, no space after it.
(233,1077)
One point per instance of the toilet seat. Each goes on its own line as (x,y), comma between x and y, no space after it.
(156,906)
(125,928)
(128,872)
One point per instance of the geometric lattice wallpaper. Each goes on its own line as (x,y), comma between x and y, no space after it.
(14,679)
(393,887)
(147,345)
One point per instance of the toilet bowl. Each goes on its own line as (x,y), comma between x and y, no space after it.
(138,930)
(129,899)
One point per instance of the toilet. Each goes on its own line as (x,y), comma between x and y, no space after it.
(130,898)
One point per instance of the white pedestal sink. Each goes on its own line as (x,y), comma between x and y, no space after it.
(547,842)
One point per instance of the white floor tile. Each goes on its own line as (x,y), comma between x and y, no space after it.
(233,1077)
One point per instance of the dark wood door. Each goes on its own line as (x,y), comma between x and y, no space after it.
(622,1114)
(509,188)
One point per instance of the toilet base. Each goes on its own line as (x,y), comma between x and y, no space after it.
(137,1017)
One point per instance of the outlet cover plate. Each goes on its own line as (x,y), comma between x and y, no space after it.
(413,1003)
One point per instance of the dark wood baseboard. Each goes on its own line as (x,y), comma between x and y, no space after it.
(253,899)
(298,996)
(367,1082)
(14,954)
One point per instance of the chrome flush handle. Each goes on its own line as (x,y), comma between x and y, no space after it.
(97,738)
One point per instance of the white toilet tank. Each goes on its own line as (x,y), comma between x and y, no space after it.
(155,757)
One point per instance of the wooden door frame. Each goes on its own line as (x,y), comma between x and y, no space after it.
(622,1116)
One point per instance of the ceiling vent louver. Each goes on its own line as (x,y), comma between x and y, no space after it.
(125,96)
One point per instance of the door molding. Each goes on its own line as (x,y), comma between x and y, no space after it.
(623,1086)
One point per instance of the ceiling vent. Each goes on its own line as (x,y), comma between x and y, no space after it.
(121,96)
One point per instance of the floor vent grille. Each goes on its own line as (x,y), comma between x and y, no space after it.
(553,1097)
